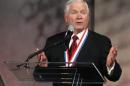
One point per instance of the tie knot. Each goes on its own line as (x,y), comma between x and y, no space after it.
(75,38)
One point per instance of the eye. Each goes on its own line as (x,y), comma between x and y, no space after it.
(73,12)
(84,12)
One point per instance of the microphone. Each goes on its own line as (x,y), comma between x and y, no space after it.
(70,29)
(65,41)
(68,36)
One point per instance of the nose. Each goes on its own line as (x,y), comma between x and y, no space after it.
(79,16)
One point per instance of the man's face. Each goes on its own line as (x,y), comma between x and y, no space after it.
(77,16)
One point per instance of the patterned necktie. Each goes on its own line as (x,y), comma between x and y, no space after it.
(73,46)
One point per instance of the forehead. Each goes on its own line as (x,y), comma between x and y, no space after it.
(78,5)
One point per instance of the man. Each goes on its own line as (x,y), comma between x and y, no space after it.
(91,46)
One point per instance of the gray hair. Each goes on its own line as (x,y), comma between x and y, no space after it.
(72,1)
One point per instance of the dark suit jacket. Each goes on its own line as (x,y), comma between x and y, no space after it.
(95,49)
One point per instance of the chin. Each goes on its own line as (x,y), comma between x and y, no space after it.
(79,30)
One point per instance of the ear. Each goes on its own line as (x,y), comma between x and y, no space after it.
(66,18)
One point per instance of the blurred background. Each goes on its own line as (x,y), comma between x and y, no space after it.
(25,25)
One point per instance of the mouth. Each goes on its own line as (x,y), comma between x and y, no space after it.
(79,23)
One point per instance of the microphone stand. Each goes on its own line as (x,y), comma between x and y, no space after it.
(26,62)
(65,41)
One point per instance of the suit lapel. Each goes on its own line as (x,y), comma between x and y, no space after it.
(84,53)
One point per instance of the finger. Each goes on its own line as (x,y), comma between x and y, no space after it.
(115,51)
(111,50)
(115,47)
(42,57)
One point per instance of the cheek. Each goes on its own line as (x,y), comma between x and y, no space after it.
(72,17)
(85,20)
(71,20)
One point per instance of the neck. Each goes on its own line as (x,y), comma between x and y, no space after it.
(78,31)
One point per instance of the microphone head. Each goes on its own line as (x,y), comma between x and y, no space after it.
(71,28)
(69,31)
(68,36)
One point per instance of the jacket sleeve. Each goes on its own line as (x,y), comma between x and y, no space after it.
(116,73)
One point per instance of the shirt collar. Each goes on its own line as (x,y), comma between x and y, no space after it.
(80,34)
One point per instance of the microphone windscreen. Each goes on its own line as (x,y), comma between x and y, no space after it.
(71,28)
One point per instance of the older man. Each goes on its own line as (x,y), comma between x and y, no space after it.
(84,45)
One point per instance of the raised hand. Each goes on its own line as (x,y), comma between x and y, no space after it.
(111,56)
(42,59)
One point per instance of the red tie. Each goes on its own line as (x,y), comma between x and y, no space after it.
(73,46)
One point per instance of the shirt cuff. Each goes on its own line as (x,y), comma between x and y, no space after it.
(110,69)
